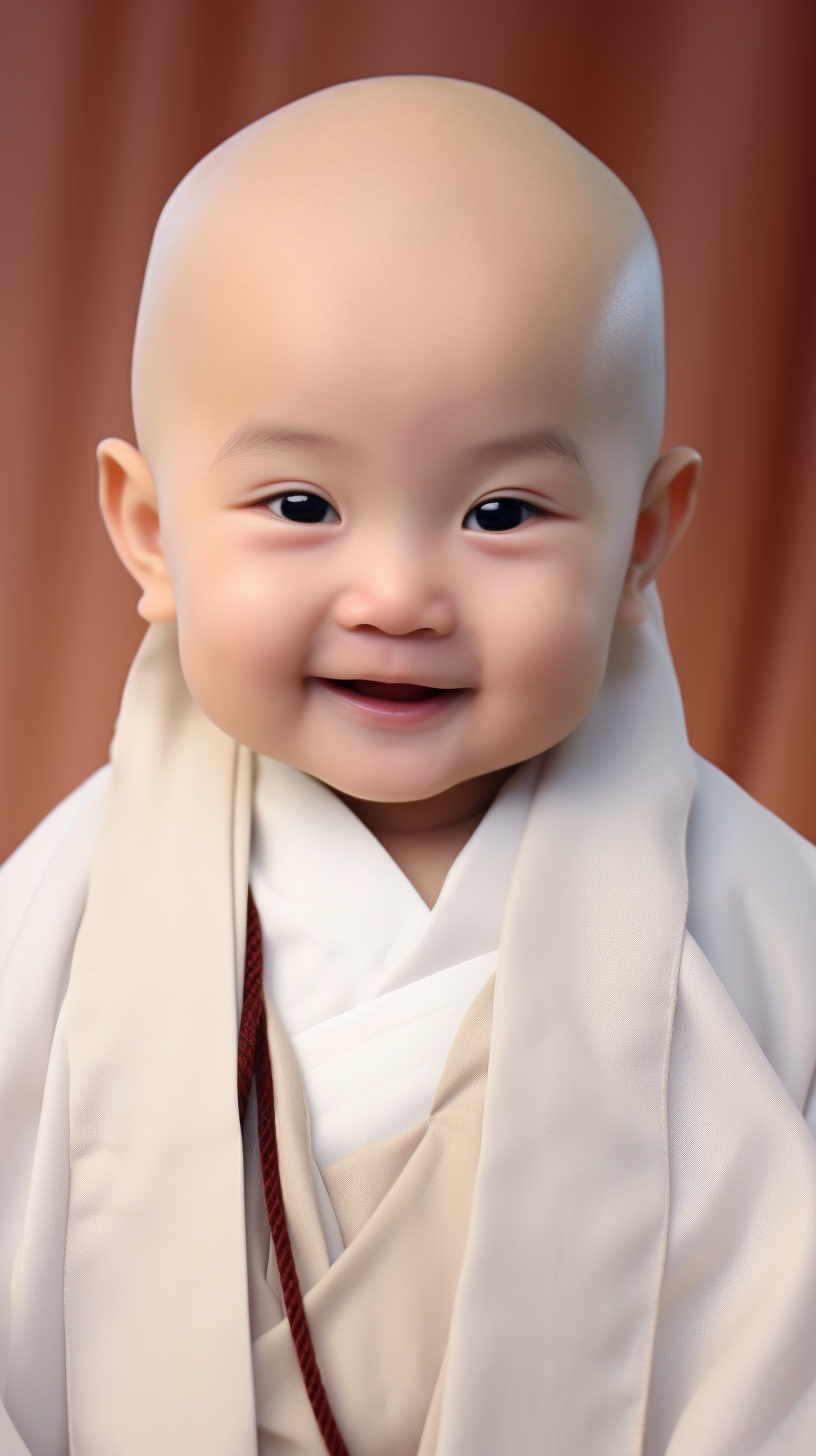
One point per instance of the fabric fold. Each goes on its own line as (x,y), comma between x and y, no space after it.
(155,1234)
(379,1316)
(570,1208)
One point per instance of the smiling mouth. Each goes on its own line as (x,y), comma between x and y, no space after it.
(396,702)
(389,692)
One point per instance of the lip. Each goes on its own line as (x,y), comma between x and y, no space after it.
(396,703)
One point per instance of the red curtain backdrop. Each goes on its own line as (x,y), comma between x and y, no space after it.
(704,107)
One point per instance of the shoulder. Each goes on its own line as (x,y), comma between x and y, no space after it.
(734,836)
(752,911)
(61,844)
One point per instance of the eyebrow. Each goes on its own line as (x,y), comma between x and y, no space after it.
(256,437)
(532,442)
(260,436)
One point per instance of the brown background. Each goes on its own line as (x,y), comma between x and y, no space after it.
(704,107)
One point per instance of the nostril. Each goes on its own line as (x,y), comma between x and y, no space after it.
(396,614)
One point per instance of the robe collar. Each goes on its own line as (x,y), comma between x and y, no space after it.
(369,982)
(343,925)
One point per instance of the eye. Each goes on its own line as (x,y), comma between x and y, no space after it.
(502,514)
(303,506)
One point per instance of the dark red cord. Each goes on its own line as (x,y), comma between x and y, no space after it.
(254,1060)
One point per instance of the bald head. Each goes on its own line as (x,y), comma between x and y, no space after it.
(398,386)
(396,213)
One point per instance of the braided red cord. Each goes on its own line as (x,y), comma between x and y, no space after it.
(253,1058)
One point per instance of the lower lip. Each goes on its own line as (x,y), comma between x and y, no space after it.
(391,710)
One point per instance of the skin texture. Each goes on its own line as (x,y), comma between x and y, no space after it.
(401,301)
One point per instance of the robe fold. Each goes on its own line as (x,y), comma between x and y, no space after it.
(380,1315)
(634,1269)
(369,982)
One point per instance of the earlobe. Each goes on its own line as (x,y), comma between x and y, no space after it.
(667,506)
(129,506)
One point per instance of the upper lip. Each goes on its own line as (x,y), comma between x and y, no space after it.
(404,679)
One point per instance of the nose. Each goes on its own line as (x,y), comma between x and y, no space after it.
(397,591)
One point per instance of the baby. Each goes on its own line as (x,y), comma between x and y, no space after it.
(540,985)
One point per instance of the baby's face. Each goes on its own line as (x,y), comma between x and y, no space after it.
(396,513)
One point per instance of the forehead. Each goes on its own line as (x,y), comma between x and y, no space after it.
(388,303)
(369,271)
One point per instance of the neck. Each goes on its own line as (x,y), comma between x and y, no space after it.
(425,835)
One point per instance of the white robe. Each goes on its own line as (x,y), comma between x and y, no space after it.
(640,1272)
(370,983)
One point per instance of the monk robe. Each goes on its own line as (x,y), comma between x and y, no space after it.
(629,1261)
(372,987)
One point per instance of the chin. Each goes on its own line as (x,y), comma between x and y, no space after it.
(387,787)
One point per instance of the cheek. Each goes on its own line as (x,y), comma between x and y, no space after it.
(545,652)
(243,634)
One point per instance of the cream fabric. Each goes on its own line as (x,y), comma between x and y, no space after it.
(643,1227)
(370,983)
(384,1309)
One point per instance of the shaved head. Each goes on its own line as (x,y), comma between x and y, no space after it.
(398,388)
(391,202)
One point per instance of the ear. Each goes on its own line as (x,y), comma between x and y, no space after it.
(666,507)
(130,510)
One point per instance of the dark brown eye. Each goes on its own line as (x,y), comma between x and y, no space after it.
(502,514)
(303,506)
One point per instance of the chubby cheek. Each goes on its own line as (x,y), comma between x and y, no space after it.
(545,666)
(242,644)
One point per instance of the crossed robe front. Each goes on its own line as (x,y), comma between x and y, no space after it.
(380,1155)
(638,1266)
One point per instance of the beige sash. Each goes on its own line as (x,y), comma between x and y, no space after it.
(380,1315)
(156,1328)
